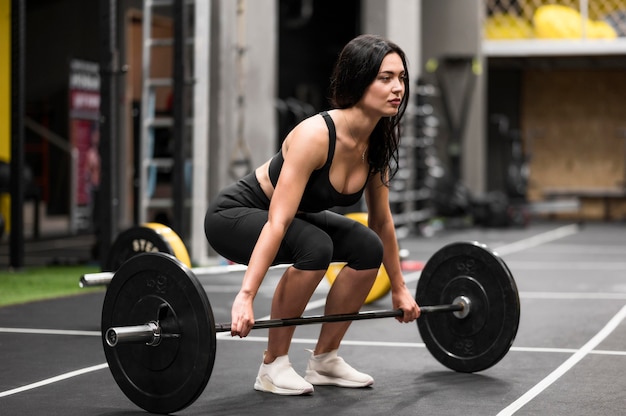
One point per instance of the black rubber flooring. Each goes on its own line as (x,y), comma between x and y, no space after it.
(569,356)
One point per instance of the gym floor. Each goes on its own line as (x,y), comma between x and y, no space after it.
(569,356)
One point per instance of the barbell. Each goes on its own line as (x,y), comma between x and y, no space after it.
(159,332)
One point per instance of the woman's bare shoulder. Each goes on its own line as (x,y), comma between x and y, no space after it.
(312,130)
(307,143)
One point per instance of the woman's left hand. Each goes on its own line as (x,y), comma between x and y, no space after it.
(403,299)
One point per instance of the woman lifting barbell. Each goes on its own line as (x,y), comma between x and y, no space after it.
(279,214)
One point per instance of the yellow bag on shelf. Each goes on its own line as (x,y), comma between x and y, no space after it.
(507,26)
(561,22)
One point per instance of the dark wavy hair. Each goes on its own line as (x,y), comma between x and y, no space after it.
(356,68)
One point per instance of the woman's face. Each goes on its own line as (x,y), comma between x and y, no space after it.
(385,93)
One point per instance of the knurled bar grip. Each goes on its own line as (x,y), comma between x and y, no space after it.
(316,319)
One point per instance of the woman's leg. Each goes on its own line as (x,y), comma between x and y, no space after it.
(362,249)
(347,295)
(325,366)
(310,249)
(290,299)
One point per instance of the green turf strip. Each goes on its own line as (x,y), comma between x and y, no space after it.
(40,283)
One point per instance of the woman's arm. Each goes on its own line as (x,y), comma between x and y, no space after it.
(380,221)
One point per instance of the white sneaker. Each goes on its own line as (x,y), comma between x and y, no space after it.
(329,369)
(279,377)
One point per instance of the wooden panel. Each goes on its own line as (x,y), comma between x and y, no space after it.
(574,123)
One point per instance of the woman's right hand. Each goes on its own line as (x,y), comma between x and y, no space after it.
(403,299)
(242,315)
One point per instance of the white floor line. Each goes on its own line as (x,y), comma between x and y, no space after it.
(538,239)
(53,380)
(391,344)
(596,266)
(566,366)
(572,296)
(566,351)
(606,352)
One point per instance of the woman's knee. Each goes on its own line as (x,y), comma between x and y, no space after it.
(315,254)
(366,251)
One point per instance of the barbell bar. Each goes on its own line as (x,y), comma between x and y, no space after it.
(159,333)
(104,278)
(150,333)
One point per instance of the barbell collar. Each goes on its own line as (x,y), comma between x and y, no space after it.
(467,306)
(149,333)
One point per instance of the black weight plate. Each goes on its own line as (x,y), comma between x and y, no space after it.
(171,375)
(481,339)
(133,241)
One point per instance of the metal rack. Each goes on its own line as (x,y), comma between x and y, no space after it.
(409,197)
(187,122)
(177,122)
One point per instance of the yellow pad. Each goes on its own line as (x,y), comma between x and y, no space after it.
(168,235)
(381,286)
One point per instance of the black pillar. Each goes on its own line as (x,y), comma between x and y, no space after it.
(18,66)
(108,197)
(181,111)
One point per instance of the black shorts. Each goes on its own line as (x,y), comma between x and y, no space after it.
(236,217)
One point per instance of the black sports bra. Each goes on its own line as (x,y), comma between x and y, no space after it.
(319,193)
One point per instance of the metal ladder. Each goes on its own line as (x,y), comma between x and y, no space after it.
(179,123)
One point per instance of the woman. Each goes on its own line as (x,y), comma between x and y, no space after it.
(279,214)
